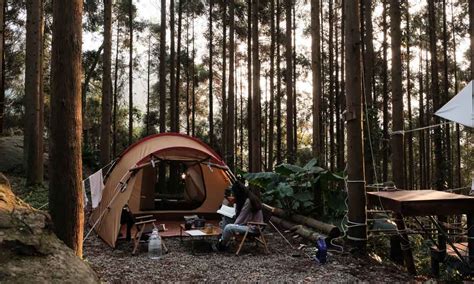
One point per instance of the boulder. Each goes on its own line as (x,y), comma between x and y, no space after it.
(11,151)
(30,251)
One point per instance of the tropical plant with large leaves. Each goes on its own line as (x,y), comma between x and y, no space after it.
(303,190)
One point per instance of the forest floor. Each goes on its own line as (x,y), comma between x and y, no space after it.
(180,264)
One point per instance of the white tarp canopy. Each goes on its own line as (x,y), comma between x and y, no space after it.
(460,109)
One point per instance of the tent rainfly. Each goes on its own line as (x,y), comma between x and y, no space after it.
(460,108)
(143,175)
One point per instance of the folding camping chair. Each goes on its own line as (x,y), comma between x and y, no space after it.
(141,223)
(254,236)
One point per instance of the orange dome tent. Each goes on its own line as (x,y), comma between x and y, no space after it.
(143,175)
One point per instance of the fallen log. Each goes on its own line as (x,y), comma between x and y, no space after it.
(301,230)
(327,229)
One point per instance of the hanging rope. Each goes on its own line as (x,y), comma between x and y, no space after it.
(402,132)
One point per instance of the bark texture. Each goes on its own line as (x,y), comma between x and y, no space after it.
(316,69)
(256,164)
(33,93)
(357,217)
(106,86)
(65,188)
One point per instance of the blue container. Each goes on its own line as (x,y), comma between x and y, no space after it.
(322,253)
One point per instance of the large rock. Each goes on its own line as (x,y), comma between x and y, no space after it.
(29,250)
(11,153)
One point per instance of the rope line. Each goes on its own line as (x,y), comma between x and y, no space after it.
(402,132)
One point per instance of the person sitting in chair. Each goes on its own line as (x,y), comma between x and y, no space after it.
(248,209)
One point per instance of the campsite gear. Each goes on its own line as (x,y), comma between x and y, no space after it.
(321,254)
(209,228)
(143,222)
(96,183)
(254,233)
(188,224)
(133,181)
(197,234)
(154,245)
(199,223)
(191,218)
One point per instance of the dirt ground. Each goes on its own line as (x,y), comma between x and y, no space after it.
(118,265)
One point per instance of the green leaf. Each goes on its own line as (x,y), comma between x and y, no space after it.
(311,164)
(288,169)
(262,179)
(284,189)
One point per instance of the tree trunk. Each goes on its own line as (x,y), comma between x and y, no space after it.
(439,161)
(188,66)
(355,167)
(271,122)
(278,91)
(337,106)
(256,123)
(66,202)
(368,83)
(106,114)
(458,132)
(241,121)
(439,175)
(130,74)
(397,96)
(114,127)
(249,80)
(231,106)
(33,140)
(225,131)
(289,86)
(332,146)
(147,126)
(341,101)
(211,103)
(295,111)
(162,71)
(445,99)
(385,148)
(411,170)
(2,64)
(172,70)
(316,75)
(398,169)
(193,76)
(178,69)
(421,123)
(323,133)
